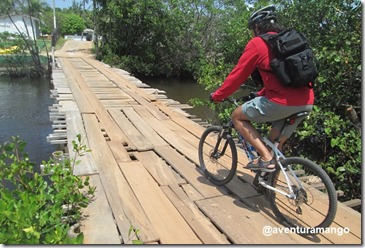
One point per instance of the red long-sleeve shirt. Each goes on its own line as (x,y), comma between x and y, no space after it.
(257,54)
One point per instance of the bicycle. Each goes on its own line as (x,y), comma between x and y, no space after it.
(300,192)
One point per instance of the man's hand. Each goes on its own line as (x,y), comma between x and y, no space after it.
(253,95)
(211,97)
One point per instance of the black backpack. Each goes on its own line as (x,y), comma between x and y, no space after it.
(294,60)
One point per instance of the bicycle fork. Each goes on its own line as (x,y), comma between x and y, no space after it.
(216,154)
(261,179)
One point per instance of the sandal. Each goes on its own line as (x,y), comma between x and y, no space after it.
(261,165)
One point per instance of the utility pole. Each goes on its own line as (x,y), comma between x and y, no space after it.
(54,33)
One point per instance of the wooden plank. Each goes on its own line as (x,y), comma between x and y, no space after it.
(134,135)
(203,228)
(190,172)
(110,96)
(159,209)
(148,133)
(187,144)
(179,178)
(352,203)
(347,217)
(126,208)
(114,90)
(336,236)
(82,102)
(120,103)
(75,126)
(265,210)
(110,74)
(241,225)
(119,151)
(98,226)
(170,111)
(313,214)
(236,186)
(191,192)
(158,168)
(129,87)
(162,128)
(143,112)
(182,159)
(147,104)
(84,92)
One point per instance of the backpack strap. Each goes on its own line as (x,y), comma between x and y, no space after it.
(270,41)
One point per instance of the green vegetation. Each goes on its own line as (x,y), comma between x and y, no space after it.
(40,207)
(72,24)
(26,46)
(133,236)
(22,57)
(69,21)
(204,39)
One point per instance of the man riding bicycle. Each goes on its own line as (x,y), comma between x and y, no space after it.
(274,102)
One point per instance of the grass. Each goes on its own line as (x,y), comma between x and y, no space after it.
(42,44)
(4,59)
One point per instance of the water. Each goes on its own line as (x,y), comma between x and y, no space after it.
(24,112)
(182,91)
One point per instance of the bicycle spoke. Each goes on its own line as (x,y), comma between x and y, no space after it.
(218,157)
(313,202)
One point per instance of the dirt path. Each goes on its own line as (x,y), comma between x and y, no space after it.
(75,48)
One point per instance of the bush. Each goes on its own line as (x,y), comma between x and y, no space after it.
(72,24)
(33,203)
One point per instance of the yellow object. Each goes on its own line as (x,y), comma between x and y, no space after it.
(9,50)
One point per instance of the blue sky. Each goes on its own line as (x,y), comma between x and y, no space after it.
(63,3)
(60,3)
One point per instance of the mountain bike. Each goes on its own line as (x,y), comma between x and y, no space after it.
(300,192)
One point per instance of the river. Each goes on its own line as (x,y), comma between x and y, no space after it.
(24,112)
(182,90)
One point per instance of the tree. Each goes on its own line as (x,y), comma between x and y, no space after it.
(205,38)
(157,38)
(72,24)
(334,30)
(32,8)
(334,34)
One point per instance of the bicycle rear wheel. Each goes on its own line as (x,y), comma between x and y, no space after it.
(315,204)
(217,155)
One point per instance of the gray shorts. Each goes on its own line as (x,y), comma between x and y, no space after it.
(261,110)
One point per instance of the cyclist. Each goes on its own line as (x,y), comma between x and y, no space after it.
(274,102)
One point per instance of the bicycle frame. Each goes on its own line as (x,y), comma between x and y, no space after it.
(278,156)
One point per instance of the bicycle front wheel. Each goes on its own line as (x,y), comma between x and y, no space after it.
(217,155)
(313,204)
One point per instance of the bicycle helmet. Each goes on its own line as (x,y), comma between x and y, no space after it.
(265,14)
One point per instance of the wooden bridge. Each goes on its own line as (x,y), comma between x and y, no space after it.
(144,164)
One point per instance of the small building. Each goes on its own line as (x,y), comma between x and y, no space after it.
(88,33)
(21,22)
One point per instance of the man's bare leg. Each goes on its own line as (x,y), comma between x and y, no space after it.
(248,131)
(274,133)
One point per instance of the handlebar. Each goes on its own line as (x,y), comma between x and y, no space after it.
(236,101)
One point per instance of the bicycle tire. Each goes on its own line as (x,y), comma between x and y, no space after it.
(315,207)
(219,168)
